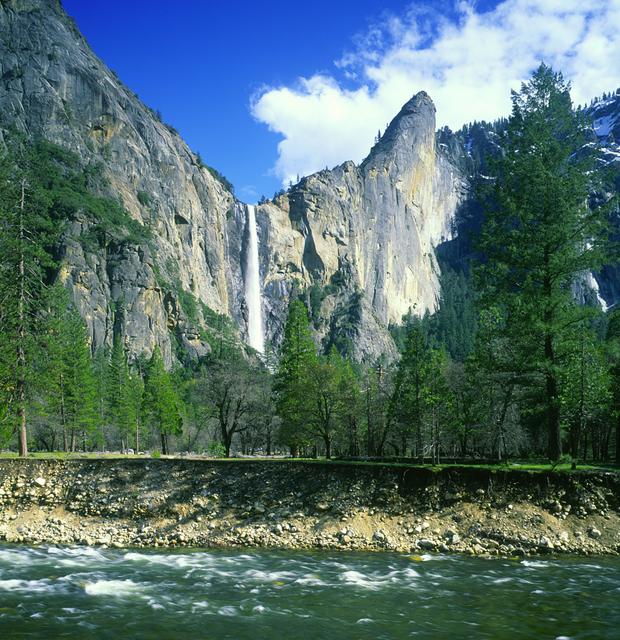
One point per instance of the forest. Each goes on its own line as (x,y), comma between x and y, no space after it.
(518,362)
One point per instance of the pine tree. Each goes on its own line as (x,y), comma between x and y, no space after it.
(135,394)
(350,408)
(539,234)
(101,365)
(119,402)
(161,404)
(407,405)
(586,392)
(297,360)
(69,382)
(27,238)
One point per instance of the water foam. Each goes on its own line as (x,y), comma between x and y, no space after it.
(15,584)
(117,588)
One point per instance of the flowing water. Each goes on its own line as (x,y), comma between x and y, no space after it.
(252,285)
(50,592)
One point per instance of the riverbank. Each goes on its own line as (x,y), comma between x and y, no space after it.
(305,505)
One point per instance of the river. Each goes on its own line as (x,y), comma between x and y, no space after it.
(51,592)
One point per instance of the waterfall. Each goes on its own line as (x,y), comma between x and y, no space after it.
(256,338)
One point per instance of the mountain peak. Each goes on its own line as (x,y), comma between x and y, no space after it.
(414,124)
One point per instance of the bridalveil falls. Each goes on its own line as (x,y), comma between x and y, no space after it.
(253,296)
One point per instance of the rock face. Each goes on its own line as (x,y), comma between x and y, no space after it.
(366,234)
(360,239)
(53,86)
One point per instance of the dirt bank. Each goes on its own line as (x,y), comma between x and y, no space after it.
(285,504)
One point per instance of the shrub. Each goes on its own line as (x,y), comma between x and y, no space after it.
(216,450)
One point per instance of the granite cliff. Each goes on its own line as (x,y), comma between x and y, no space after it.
(359,242)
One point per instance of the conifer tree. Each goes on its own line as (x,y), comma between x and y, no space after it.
(161,405)
(119,401)
(407,403)
(135,399)
(101,365)
(297,360)
(539,234)
(27,238)
(69,382)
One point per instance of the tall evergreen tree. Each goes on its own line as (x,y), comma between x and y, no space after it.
(69,382)
(120,404)
(297,360)
(27,238)
(539,234)
(160,406)
(101,365)
(411,380)
(135,393)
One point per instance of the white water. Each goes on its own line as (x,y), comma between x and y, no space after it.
(337,595)
(256,337)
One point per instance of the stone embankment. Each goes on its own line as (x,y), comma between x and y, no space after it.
(294,505)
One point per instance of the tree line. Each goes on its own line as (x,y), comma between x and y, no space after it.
(518,362)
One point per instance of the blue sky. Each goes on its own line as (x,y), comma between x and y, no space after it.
(200,63)
(266,90)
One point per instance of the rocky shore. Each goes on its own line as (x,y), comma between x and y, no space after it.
(296,505)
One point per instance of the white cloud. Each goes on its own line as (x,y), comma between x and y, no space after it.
(468,64)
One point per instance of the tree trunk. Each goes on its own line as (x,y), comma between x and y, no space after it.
(618,440)
(328,447)
(553,411)
(164,444)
